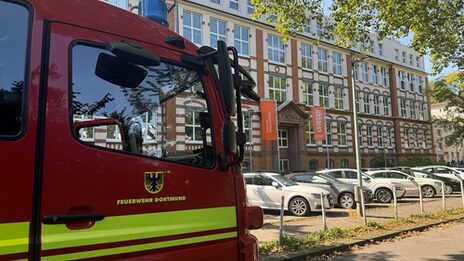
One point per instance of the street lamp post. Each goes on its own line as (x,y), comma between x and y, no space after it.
(356,140)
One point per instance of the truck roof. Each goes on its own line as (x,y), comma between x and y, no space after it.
(98,15)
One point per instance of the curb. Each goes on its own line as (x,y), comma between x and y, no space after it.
(325,250)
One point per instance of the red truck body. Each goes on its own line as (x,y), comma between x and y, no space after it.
(47,173)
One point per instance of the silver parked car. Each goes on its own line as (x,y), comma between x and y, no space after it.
(266,190)
(342,192)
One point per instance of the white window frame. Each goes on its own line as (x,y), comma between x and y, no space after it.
(401,78)
(283,139)
(191,27)
(277,86)
(411,82)
(370,137)
(324,95)
(367,105)
(341,133)
(364,72)
(242,44)
(328,132)
(322,59)
(306,56)
(250,7)
(383,72)
(310,133)
(234,4)
(194,125)
(403,109)
(338,98)
(377,104)
(386,106)
(337,63)
(374,76)
(214,33)
(307,92)
(275,49)
(380,45)
(248,128)
(284,165)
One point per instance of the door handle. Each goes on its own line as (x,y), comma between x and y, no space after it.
(67,218)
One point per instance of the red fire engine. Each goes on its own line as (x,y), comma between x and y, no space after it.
(117,138)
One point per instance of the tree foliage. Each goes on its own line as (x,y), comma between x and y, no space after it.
(436,26)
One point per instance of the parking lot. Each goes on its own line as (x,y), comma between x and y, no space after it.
(346,218)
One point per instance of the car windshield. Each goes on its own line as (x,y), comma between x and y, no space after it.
(284,180)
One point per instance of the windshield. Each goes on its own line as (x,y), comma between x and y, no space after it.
(165,116)
(284,180)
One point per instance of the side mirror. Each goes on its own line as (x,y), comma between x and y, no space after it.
(275,184)
(110,122)
(225,77)
(229,137)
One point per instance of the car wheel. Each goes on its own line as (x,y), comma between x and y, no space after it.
(428,191)
(346,200)
(448,189)
(299,206)
(383,195)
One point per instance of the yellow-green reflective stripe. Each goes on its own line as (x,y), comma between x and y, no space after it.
(14,238)
(141,247)
(130,227)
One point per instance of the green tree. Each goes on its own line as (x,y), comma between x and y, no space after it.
(436,27)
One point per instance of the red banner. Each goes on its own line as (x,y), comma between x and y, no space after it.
(318,115)
(268,120)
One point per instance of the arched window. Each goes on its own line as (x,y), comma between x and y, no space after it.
(345,163)
(329,164)
(313,165)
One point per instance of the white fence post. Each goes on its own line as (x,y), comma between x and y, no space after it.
(443,195)
(395,202)
(420,198)
(281,219)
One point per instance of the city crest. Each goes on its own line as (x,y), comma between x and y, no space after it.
(154,181)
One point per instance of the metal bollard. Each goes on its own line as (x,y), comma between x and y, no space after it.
(363,206)
(462,191)
(443,195)
(395,202)
(420,198)
(324,220)
(281,236)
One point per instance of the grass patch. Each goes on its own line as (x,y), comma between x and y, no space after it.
(311,240)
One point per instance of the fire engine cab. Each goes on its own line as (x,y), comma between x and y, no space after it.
(118,138)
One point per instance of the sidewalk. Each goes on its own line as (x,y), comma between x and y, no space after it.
(297,226)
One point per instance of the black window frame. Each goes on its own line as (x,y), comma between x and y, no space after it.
(99,45)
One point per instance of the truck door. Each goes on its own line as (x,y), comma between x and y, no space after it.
(130,167)
(18,104)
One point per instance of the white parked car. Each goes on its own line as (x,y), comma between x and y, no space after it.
(382,188)
(430,187)
(443,171)
(266,190)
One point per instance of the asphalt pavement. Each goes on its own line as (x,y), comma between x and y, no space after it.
(442,243)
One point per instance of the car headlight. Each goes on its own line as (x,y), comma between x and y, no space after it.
(316,195)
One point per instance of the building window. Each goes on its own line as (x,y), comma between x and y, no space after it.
(372,46)
(341,133)
(192,125)
(417,61)
(119,3)
(318,29)
(345,163)
(277,88)
(329,164)
(307,91)
(425,138)
(374,76)
(233,4)
(360,135)
(337,63)
(324,95)
(328,128)
(419,84)
(384,74)
(247,128)
(275,49)
(407,142)
(241,39)
(306,56)
(338,98)
(367,105)
(250,7)
(411,81)
(356,71)
(397,55)
(369,136)
(380,137)
(380,49)
(422,111)
(364,72)
(376,104)
(403,108)
(413,109)
(307,27)
(386,106)
(401,78)
(416,138)
(358,99)
(404,57)
(389,137)
(216,1)
(310,133)
(322,60)
(284,165)
(283,139)
(85,134)
(218,32)
(192,27)
(411,59)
